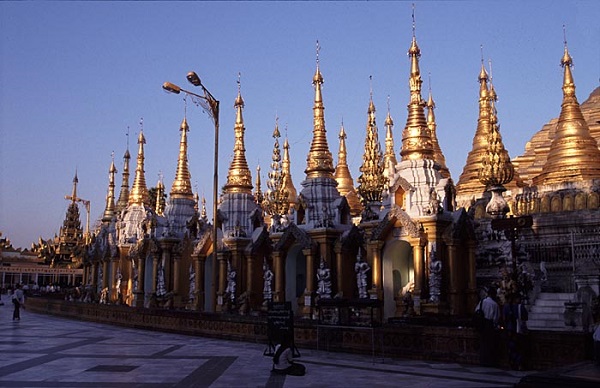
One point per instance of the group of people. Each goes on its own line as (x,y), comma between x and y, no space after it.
(512,318)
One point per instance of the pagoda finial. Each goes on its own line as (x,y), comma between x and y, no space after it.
(371,181)
(438,155)
(344,178)
(160,195)
(389,157)
(182,185)
(416,140)
(276,197)
(258,194)
(139,191)
(124,192)
(574,154)
(239,178)
(286,164)
(109,210)
(319,162)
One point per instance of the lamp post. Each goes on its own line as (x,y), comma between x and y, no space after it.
(211,106)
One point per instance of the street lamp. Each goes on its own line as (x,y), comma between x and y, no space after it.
(210,105)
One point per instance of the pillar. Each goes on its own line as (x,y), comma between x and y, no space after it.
(338,270)
(419,266)
(154,272)
(453,288)
(221,259)
(473,296)
(278,294)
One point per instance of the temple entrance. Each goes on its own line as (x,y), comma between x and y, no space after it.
(398,272)
(295,276)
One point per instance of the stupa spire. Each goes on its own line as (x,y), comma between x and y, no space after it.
(574,154)
(124,193)
(276,195)
(469,186)
(160,196)
(438,156)
(416,139)
(496,167)
(182,185)
(109,210)
(389,157)
(239,178)
(258,194)
(139,191)
(371,181)
(345,183)
(319,162)
(288,184)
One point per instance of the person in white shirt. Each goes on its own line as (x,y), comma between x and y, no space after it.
(283,360)
(488,339)
(18,299)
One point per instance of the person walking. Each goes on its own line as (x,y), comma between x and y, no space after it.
(488,339)
(18,299)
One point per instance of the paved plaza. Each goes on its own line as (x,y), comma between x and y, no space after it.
(47,351)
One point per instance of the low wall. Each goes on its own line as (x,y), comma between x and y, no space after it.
(544,349)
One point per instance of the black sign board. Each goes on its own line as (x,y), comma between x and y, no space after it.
(280,323)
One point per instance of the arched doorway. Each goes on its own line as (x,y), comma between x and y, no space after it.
(398,271)
(295,275)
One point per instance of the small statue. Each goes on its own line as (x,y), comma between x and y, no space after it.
(160,282)
(104,296)
(231,283)
(361,268)
(243,302)
(118,285)
(435,276)
(324,280)
(268,282)
(192,278)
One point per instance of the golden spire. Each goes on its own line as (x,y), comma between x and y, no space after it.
(574,154)
(496,167)
(258,194)
(469,184)
(74,197)
(139,191)
(109,210)
(196,201)
(239,178)
(182,185)
(371,181)
(288,184)
(344,178)
(389,157)
(438,156)
(319,162)
(160,196)
(276,197)
(416,139)
(124,193)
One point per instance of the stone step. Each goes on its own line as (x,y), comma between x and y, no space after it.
(546,316)
(565,296)
(546,309)
(549,303)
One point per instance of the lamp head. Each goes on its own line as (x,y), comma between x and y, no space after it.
(193,78)
(171,88)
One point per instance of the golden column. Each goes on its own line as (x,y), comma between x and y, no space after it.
(222,260)
(453,287)
(418,246)
(338,268)
(279,294)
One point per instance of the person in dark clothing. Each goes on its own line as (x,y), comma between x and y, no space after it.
(283,360)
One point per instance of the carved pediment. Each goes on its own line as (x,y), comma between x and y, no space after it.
(392,217)
(293,234)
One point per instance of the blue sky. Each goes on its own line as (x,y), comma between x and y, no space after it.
(75,75)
